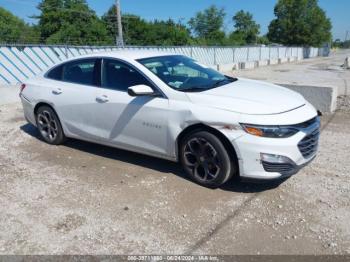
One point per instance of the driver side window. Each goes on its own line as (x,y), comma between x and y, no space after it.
(119,76)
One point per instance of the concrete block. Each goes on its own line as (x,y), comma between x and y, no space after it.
(282,60)
(263,63)
(227,67)
(248,65)
(347,63)
(323,98)
(272,62)
(292,59)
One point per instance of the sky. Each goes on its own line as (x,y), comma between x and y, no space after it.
(183,10)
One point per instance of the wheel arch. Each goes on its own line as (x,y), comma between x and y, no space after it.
(42,103)
(202,127)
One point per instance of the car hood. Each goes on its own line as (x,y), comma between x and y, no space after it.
(249,97)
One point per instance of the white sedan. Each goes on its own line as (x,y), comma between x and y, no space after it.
(172,107)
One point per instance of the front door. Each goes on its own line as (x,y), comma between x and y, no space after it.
(137,123)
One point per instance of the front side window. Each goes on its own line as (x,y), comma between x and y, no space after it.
(117,75)
(185,74)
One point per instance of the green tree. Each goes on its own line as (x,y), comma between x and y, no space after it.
(337,43)
(236,38)
(168,33)
(70,22)
(300,22)
(246,27)
(207,25)
(345,44)
(263,40)
(341,44)
(138,31)
(13,29)
(51,18)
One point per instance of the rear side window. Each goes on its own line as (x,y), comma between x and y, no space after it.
(55,73)
(83,71)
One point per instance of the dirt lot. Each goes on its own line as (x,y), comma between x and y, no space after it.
(82,198)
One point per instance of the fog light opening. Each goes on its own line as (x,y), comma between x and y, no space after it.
(276,159)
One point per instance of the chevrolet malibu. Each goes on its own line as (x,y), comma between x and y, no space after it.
(172,107)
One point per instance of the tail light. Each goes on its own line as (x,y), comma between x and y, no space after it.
(22,88)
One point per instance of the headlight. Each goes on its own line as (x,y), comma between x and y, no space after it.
(270,131)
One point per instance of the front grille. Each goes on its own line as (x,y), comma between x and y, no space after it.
(282,168)
(308,146)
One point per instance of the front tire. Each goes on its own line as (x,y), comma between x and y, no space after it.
(205,159)
(49,126)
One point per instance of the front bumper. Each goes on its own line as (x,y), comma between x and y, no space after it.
(289,154)
(286,169)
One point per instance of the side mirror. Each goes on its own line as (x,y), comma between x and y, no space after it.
(140,90)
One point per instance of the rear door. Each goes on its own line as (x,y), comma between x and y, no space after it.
(74,97)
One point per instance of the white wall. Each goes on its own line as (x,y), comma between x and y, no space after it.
(18,63)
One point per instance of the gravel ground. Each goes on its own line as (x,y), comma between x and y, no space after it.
(344,103)
(82,198)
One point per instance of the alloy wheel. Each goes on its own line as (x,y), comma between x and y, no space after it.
(47,125)
(202,158)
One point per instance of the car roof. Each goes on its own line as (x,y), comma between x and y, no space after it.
(127,54)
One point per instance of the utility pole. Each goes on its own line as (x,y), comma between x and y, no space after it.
(119,37)
(346,35)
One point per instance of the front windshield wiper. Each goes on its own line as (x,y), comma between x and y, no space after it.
(219,82)
(194,89)
(227,79)
(208,87)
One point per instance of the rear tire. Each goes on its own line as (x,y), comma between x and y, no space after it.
(206,160)
(49,126)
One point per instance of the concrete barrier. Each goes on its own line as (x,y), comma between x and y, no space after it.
(248,65)
(227,67)
(282,60)
(347,63)
(292,59)
(323,98)
(263,63)
(251,64)
(272,62)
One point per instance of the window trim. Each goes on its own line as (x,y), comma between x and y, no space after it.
(158,92)
(140,61)
(97,63)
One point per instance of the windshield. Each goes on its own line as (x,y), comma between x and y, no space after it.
(185,74)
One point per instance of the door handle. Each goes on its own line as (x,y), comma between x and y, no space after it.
(57,91)
(102,99)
